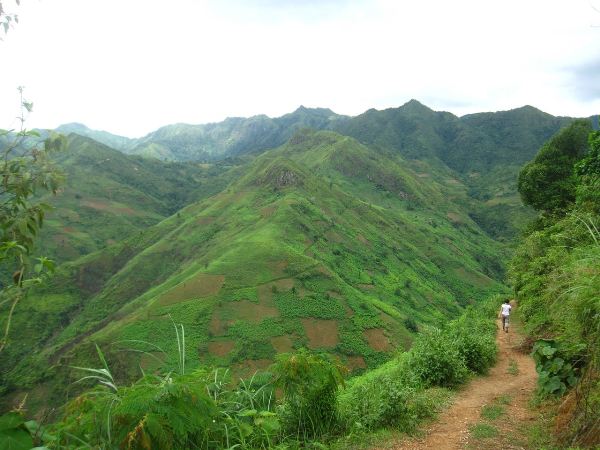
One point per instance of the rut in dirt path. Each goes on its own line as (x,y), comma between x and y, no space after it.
(510,383)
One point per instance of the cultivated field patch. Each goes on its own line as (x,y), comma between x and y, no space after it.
(356,362)
(321,333)
(377,339)
(220,348)
(201,285)
(477,279)
(282,344)
(251,312)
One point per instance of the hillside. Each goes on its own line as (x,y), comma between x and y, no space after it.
(109,195)
(233,136)
(484,149)
(323,243)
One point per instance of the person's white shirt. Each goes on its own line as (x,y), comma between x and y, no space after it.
(506,309)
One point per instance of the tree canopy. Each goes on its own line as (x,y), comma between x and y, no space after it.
(548,183)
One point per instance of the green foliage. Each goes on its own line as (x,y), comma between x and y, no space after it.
(555,375)
(309,383)
(492,412)
(474,336)
(389,396)
(588,173)
(548,183)
(18,434)
(437,361)
(483,431)
(555,276)
(25,170)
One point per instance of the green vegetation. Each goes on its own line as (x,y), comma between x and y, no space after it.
(25,169)
(277,261)
(109,196)
(483,431)
(492,412)
(513,367)
(283,266)
(201,408)
(555,276)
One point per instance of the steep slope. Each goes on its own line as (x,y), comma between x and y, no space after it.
(322,243)
(115,141)
(109,195)
(233,136)
(486,150)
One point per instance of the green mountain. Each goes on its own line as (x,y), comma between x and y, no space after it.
(109,195)
(323,243)
(115,141)
(233,136)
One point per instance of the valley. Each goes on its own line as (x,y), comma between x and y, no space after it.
(345,236)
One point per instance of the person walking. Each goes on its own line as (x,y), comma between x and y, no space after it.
(505,313)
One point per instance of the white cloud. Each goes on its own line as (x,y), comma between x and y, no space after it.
(132,66)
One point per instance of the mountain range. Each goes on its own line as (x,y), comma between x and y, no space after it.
(260,236)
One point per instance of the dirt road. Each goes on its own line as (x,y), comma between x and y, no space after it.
(490,411)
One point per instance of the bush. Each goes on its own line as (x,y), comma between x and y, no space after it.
(384,397)
(475,340)
(437,360)
(309,382)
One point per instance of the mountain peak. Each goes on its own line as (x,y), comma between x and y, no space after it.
(72,127)
(415,106)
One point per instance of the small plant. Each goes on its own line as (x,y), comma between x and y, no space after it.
(411,325)
(483,431)
(513,368)
(492,412)
(555,375)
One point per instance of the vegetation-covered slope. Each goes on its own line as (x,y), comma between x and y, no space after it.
(233,136)
(486,150)
(322,243)
(556,277)
(109,195)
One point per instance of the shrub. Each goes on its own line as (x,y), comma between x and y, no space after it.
(382,397)
(309,382)
(437,361)
(475,341)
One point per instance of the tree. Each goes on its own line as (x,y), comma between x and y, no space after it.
(588,175)
(25,169)
(548,183)
(7,19)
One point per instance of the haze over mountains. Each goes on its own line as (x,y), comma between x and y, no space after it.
(260,235)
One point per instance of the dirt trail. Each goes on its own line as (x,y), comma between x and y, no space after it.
(512,380)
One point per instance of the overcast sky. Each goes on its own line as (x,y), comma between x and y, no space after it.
(131,66)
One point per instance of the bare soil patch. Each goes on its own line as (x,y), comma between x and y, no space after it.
(332,236)
(472,277)
(454,217)
(356,362)
(321,333)
(252,312)
(278,268)
(201,285)
(268,211)
(363,239)
(220,348)
(151,360)
(250,367)
(377,339)
(366,287)
(283,344)
(205,220)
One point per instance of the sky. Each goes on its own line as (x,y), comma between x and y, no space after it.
(132,66)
